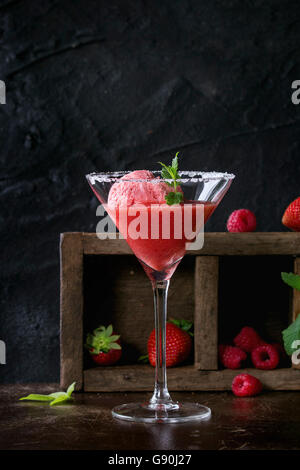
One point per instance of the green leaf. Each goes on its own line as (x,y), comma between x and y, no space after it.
(170,198)
(114,338)
(115,346)
(291,279)
(101,340)
(97,331)
(175,162)
(53,398)
(185,325)
(71,389)
(60,400)
(37,397)
(172,172)
(291,334)
(178,198)
(165,167)
(109,330)
(174,198)
(170,175)
(144,359)
(58,395)
(166,174)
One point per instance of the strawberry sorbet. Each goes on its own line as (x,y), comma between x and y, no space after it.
(126,193)
(133,202)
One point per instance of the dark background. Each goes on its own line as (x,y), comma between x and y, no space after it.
(101,85)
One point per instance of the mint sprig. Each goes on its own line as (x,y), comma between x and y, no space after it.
(170,174)
(292,333)
(291,279)
(52,398)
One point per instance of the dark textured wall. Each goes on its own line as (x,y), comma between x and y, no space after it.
(120,85)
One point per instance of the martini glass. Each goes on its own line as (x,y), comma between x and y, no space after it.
(161,235)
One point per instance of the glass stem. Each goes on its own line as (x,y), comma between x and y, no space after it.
(160,292)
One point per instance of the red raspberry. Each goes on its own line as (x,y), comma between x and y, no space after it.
(245,385)
(265,357)
(248,339)
(231,357)
(241,220)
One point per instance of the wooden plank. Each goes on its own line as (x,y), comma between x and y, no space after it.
(140,378)
(250,244)
(218,244)
(92,245)
(206,312)
(296,299)
(71,308)
(296,293)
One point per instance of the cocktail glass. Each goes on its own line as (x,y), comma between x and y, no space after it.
(160,253)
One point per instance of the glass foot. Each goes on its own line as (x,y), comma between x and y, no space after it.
(172,413)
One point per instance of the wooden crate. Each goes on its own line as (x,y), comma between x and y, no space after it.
(119,291)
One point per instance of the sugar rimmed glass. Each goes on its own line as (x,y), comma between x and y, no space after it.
(159,256)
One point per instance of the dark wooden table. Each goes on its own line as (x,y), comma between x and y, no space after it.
(269,421)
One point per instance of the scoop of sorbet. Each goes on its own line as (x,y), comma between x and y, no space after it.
(126,193)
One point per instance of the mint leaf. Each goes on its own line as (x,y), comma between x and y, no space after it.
(36,397)
(291,334)
(173,198)
(178,198)
(170,175)
(175,162)
(53,398)
(170,198)
(71,389)
(58,395)
(60,400)
(291,279)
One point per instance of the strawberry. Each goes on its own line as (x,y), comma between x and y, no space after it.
(291,216)
(178,343)
(104,346)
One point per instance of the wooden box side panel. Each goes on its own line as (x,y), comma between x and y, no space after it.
(206,312)
(71,308)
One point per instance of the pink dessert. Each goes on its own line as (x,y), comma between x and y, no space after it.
(127,193)
(128,199)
